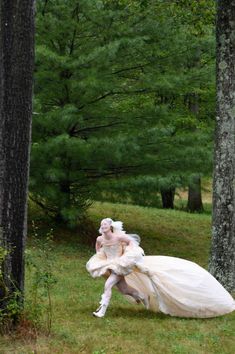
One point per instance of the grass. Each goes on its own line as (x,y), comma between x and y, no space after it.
(126,328)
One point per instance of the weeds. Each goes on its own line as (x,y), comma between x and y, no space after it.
(41,267)
(10,300)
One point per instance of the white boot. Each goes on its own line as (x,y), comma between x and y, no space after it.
(100,312)
(144,299)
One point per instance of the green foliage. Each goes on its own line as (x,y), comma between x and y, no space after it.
(39,304)
(3,254)
(122,90)
(143,190)
(10,302)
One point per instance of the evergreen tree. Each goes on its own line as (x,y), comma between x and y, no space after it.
(112,79)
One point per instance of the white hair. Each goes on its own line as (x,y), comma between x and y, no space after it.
(116,225)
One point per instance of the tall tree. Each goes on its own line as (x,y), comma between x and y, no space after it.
(16,70)
(222,263)
(110,84)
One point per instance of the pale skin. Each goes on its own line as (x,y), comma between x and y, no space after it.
(110,238)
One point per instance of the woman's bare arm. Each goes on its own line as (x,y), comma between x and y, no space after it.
(98,243)
(126,240)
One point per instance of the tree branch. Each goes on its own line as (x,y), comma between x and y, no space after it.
(72,42)
(44,7)
(140,66)
(41,205)
(73,131)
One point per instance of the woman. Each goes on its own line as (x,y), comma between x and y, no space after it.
(170,285)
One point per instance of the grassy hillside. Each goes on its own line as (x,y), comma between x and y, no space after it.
(166,232)
(126,328)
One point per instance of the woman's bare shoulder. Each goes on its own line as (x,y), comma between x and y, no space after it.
(99,239)
(122,237)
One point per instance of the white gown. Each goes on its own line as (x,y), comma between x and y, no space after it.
(175,286)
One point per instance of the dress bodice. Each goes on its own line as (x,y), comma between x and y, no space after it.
(112,250)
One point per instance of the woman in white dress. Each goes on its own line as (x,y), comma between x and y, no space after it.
(170,285)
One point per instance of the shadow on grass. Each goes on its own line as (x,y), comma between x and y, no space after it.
(114,313)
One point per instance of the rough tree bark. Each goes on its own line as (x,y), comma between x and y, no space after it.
(222,262)
(16,70)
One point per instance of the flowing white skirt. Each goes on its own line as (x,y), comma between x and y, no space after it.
(175,286)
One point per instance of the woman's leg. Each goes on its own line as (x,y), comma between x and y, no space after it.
(112,280)
(126,289)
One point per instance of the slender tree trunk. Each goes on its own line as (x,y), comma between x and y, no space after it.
(222,262)
(16,70)
(65,192)
(195,195)
(193,104)
(168,196)
(194,189)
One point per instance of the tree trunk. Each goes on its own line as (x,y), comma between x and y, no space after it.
(222,262)
(195,195)
(16,70)
(168,196)
(65,193)
(193,103)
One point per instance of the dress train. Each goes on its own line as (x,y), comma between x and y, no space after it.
(174,286)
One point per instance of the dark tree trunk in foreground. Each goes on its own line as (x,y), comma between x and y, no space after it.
(222,262)
(16,70)
(195,195)
(168,196)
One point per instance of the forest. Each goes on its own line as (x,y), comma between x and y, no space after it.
(120,109)
(124,103)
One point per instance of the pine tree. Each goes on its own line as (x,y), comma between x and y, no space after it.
(110,89)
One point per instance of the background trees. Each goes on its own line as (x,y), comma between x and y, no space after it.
(123,97)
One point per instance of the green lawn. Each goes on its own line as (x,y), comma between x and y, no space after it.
(126,328)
